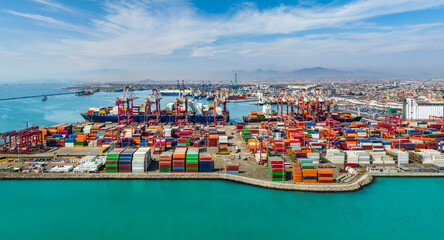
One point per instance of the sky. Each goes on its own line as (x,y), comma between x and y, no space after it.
(116,40)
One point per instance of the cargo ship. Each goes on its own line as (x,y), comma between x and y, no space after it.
(168,92)
(266,115)
(235,97)
(197,113)
(84,93)
(345,117)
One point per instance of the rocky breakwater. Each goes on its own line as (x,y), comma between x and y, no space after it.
(354,185)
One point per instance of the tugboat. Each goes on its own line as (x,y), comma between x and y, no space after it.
(44,98)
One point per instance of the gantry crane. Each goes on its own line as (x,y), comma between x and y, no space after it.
(280,99)
(220,101)
(181,99)
(154,99)
(23,141)
(125,106)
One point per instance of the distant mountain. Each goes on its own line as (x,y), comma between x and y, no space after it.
(308,74)
(317,71)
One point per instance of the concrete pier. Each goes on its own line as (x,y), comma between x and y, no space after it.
(408,174)
(355,185)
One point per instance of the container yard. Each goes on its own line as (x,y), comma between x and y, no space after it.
(298,142)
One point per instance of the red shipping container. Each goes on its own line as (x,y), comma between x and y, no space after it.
(351,164)
(278,169)
(278,176)
(124,165)
(276,162)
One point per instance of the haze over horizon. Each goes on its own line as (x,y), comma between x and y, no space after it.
(88,40)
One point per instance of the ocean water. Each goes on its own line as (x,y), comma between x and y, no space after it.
(67,108)
(391,208)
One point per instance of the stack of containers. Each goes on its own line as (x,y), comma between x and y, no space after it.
(325,175)
(276,169)
(87,129)
(253,145)
(223,143)
(141,160)
(159,145)
(260,115)
(192,160)
(297,172)
(232,168)
(401,156)
(309,175)
(409,146)
(364,157)
(381,158)
(279,146)
(335,156)
(165,162)
(182,142)
(246,134)
(112,160)
(69,142)
(80,140)
(136,138)
(125,159)
(206,164)
(315,157)
(126,142)
(179,159)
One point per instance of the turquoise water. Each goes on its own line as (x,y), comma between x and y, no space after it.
(391,208)
(67,108)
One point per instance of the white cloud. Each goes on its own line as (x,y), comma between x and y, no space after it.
(151,34)
(54,4)
(50,20)
(161,27)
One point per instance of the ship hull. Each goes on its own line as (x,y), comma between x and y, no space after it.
(174,93)
(352,119)
(142,118)
(255,120)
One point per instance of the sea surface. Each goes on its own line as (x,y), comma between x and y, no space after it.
(390,208)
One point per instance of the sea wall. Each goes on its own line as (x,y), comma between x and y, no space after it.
(355,185)
(408,174)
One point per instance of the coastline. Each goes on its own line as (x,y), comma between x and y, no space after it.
(355,185)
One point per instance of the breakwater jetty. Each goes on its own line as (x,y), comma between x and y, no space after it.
(354,185)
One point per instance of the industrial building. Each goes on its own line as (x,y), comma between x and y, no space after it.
(413,109)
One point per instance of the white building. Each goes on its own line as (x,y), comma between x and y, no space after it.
(418,110)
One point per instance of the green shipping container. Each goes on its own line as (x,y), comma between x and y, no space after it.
(308,167)
(305,161)
(279,179)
